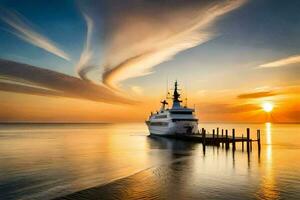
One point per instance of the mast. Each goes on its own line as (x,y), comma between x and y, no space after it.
(176,96)
(163,106)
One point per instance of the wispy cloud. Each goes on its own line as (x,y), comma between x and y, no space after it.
(139,35)
(23,78)
(24,31)
(143,34)
(83,64)
(282,62)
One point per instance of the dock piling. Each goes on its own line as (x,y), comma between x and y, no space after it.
(243,142)
(227,140)
(248,139)
(222,137)
(203,137)
(217,141)
(258,139)
(233,139)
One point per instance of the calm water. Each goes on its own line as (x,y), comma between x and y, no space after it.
(119,161)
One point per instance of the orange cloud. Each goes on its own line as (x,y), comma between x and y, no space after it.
(254,95)
(217,108)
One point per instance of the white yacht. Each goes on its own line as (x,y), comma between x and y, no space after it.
(174,121)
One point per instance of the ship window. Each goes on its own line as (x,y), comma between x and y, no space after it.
(159,123)
(176,120)
(182,112)
(160,116)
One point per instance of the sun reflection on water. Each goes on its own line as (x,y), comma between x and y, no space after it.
(268,133)
(268,189)
(269,141)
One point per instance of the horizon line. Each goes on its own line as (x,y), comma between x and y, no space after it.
(98,122)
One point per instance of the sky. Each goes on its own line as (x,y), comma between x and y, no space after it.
(113,60)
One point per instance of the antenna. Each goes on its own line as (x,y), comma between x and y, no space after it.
(186,93)
(167,93)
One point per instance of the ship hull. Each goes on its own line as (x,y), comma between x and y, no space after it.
(175,128)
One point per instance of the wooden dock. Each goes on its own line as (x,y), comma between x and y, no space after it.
(220,137)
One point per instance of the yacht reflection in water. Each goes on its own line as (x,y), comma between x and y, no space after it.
(171,144)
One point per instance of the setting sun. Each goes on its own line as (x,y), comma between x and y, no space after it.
(268,106)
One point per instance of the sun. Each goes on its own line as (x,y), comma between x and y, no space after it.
(268,106)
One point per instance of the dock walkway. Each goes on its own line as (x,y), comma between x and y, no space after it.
(215,138)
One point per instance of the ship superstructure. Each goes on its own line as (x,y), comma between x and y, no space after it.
(176,120)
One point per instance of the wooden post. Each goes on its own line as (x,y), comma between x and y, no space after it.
(258,139)
(251,145)
(203,137)
(233,139)
(218,137)
(203,140)
(222,137)
(213,135)
(248,139)
(227,140)
(242,142)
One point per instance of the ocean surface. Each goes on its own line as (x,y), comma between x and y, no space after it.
(120,161)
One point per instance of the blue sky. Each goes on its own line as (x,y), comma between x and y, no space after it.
(260,30)
(257,33)
(61,21)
